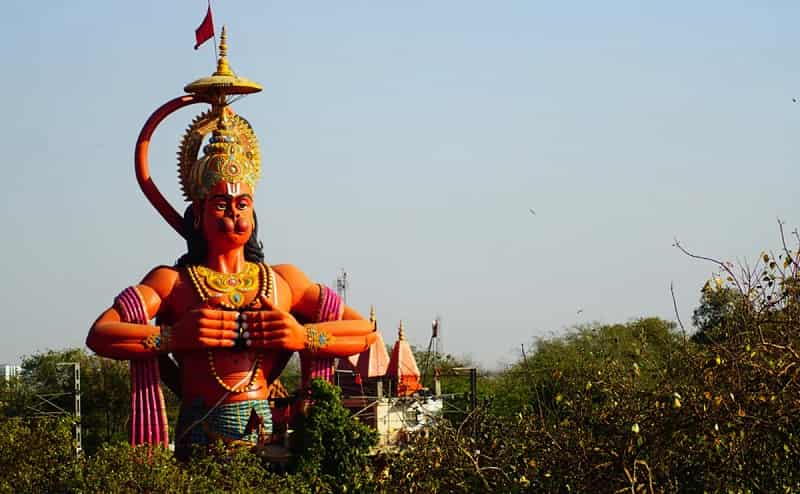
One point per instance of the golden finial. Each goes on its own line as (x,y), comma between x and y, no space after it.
(222,63)
(222,82)
(401,334)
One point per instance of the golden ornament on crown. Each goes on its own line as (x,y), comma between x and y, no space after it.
(231,155)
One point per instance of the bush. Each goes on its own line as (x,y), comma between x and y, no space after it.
(631,407)
(588,364)
(38,455)
(118,468)
(332,448)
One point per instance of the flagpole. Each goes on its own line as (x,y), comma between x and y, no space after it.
(216,54)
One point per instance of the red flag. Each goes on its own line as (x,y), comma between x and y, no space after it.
(206,30)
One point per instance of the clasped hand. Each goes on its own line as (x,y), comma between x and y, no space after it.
(267,327)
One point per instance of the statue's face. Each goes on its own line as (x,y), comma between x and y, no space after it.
(227,215)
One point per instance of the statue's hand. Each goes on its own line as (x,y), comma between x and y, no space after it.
(274,328)
(204,328)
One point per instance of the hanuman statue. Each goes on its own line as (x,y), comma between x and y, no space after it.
(226,321)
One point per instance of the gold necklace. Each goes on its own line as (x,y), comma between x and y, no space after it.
(230,286)
(200,276)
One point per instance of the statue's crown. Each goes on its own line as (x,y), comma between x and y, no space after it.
(232,153)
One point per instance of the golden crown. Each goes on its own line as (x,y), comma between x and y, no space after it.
(231,155)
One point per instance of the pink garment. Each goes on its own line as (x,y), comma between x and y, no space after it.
(331,309)
(148,413)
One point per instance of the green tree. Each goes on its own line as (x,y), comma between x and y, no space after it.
(330,445)
(105,393)
(583,361)
(713,317)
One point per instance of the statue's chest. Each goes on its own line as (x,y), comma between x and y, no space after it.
(221,291)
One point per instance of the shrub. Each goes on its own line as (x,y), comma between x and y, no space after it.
(119,468)
(331,447)
(38,455)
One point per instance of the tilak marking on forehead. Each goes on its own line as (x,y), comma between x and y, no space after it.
(233,189)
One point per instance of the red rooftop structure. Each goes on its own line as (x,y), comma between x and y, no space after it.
(403,366)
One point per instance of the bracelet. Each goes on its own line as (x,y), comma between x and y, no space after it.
(316,338)
(159,342)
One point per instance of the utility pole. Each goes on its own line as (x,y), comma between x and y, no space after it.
(76,393)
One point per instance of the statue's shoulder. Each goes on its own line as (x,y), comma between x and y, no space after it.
(285,268)
(162,279)
(291,273)
(296,279)
(163,270)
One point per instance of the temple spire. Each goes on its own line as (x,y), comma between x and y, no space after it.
(403,366)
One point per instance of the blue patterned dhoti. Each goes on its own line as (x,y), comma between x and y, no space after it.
(227,422)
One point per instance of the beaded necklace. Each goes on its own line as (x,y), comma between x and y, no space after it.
(234,389)
(266,288)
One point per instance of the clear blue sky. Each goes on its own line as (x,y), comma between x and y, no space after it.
(405,142)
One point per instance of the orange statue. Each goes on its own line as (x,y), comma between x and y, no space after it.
(226,321)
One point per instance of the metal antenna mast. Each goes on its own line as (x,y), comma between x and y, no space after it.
(436,332)
(341,285)
(432,355)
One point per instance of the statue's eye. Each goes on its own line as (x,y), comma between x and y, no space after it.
(242,205)
(220,206)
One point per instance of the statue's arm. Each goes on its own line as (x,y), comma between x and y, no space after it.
(196,329)
(350,335)
(110,337)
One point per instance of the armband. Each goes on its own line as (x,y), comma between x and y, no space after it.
(131,307)
(330,306)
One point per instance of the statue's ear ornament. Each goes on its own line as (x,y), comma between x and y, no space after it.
(231,153)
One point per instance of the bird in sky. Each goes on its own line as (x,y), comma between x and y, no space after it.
(794,100)
(532,211)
